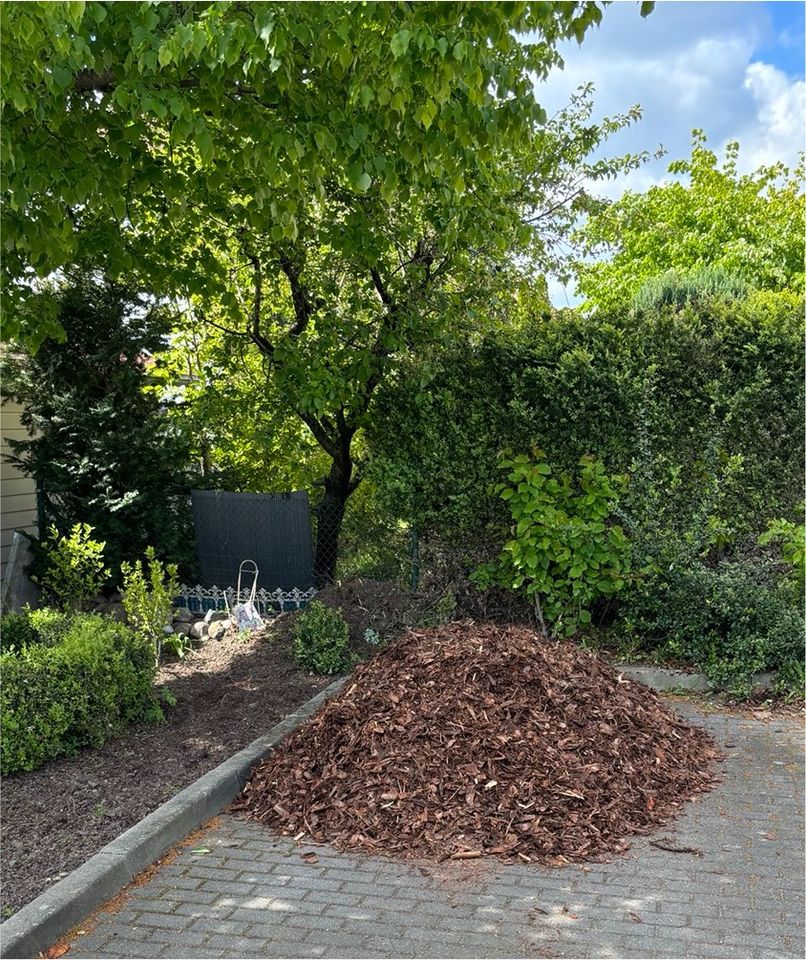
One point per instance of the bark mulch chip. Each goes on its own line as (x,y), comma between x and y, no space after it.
(471,740)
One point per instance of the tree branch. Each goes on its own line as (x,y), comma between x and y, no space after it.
(264,345)
(87,81)
(322,438)
(304,307)
(380,286)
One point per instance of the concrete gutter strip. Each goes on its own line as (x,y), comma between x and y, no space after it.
(40,923)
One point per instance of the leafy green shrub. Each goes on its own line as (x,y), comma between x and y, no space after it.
(791,680)
(75,566)
(563,554)
(50,625)
(148,597)
(16,632)
(791,538)
(699,595)
(730,620)
(19,630)
(320,639)
(58,699)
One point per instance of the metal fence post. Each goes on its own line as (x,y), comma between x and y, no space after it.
(414,557)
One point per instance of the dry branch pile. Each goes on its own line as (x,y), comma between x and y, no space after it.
(469,740)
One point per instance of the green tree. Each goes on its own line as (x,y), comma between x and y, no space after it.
(335,183)
(101,450)
(561,552)
(749,226)
(215,389)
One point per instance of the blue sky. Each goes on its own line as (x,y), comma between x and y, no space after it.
(733,68)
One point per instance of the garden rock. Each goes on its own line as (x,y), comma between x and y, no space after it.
(167,630)
(471,739)
(218,629)
(183,614)
(198,630)
(213,615)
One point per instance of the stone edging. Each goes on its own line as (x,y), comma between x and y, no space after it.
(665,678)
(40,923)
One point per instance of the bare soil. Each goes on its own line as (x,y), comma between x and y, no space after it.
(53,819)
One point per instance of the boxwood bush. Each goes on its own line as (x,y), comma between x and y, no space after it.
(72,683)
(320,639)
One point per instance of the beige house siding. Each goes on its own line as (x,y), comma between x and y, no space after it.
(17,492)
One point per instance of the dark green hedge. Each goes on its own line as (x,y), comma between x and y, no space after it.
(700,403)
(95,678)
(704,391)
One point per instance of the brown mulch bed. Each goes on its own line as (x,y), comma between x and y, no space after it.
(471,739)
(228,693)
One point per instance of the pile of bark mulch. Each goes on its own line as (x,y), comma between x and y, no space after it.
(467,740)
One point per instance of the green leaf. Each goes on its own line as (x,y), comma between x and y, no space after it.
(63,77)
(400,43)
(204,142)
(427,113)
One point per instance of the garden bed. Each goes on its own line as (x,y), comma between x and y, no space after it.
(54,818)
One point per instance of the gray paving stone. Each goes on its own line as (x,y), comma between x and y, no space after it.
(252,896)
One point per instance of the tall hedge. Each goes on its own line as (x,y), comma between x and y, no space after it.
(707,389)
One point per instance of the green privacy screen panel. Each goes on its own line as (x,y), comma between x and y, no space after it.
(273,529)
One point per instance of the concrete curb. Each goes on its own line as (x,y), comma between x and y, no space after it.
(40,923)
(664,678)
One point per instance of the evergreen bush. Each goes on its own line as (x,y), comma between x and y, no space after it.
(94,680)
(320,638)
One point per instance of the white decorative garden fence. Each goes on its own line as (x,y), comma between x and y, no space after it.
(269,603)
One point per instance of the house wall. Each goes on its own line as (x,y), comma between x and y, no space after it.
(17,492)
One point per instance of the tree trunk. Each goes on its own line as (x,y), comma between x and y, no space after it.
(329,517)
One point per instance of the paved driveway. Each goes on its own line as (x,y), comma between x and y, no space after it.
(739,894)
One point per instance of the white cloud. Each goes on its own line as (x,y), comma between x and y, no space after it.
(777,131)
(689,65)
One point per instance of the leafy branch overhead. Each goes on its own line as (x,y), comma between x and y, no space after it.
(336,185)
(165,116)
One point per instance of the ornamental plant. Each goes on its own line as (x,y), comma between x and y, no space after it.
(564,553)
(75,570)
(148,596)
(84,679)
(320,639)
(790,537)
